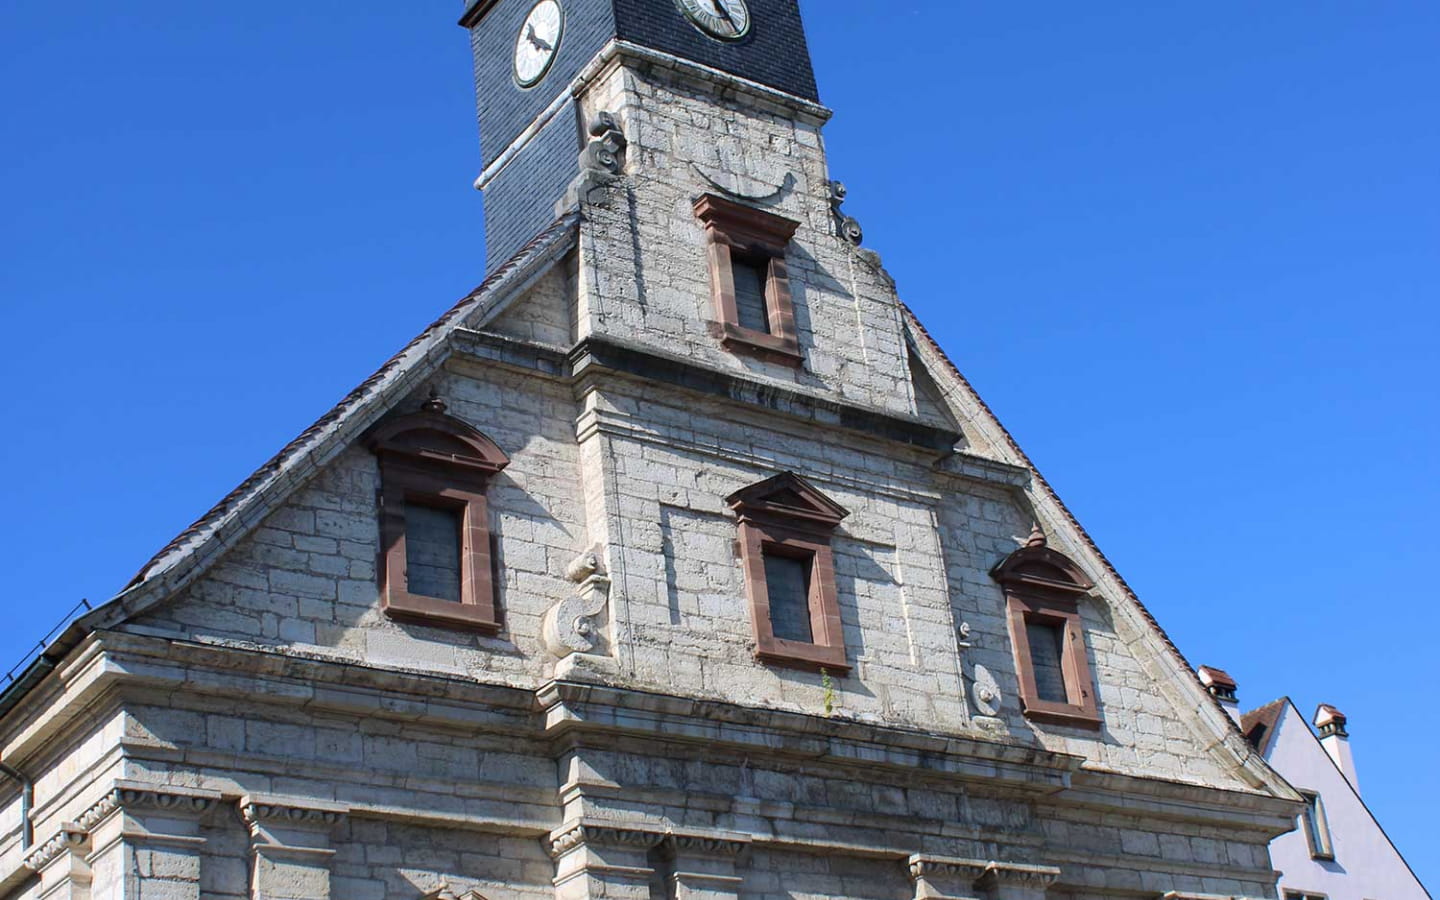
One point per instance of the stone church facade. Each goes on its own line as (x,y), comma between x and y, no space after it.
(675,561)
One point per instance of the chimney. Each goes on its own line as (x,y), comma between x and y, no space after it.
(1336,741)
(1222,687)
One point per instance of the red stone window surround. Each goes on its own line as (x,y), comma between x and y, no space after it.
(784,520)
(743,239)
(433,461)
(1042,589)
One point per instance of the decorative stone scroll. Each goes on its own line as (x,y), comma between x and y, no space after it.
(576,624)
(601,161)
(845,226)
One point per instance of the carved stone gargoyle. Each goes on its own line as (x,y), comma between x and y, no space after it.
(576,624)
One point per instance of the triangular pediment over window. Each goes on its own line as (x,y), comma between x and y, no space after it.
(789,496)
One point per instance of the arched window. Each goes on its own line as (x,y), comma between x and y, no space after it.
(435,560)
(785,529)
(1042,588)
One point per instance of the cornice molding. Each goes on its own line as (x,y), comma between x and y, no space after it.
(70,838)
(258,810)
(644,836)
(572,835)
(132,796)
(1025,875)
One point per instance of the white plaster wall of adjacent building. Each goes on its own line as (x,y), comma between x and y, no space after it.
(1366,865)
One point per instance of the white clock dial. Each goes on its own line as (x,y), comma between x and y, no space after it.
(538,42)
(728,20)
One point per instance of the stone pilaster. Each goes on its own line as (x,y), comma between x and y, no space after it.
(145,841)
(602,859)
(946,878)
(705,865)
(290,845)
(61,865)
(1017,881)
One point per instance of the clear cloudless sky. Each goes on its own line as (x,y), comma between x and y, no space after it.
(1189,252)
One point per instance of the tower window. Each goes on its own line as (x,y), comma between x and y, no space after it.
(785,529)
(750,282)
(1042,593)
(434,523)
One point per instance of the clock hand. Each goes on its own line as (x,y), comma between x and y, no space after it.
(539,42)
(724,12)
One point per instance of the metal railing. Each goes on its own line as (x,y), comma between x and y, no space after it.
(40,645)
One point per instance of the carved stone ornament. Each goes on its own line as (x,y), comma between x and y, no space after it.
(159,798)
(567,837)
(986,691)
(448,892)
(845,226)
(259,812)
(605,152)
(70,838)
(575,624)
(1031,877)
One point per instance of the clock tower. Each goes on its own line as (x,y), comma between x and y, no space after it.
(537,60)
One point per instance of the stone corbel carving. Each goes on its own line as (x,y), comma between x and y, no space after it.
(602,160)
(845,226)
(575,624)
(448,892)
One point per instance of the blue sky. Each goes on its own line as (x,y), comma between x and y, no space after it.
(1188,252)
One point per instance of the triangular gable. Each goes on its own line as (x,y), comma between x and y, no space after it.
(1301,757)
(789,496)
(191,553)
(985,433)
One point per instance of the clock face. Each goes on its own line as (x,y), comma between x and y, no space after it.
(538,42)
(728,20)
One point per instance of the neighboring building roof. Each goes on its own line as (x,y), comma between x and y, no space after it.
(1258,725)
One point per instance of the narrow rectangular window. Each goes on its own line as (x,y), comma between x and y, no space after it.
(1317,830)
(432,551)
(751,276)
(787,580)
(1047,653)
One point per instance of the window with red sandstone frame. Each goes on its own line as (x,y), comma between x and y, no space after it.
(786,525)
(1042,591)
(435,559)
(750,283)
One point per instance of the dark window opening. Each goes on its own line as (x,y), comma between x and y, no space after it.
(1317,828)
(787,579)
(751,277)
(432,551)
(1047,650)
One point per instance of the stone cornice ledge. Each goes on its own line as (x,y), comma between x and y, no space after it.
(611,354)
(258,810)
(570,707)
(140,796)
(973,467)
(70,837)
(641,835)
(1182,801)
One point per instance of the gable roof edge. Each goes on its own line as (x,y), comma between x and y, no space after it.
(191,553)
(1230,749)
